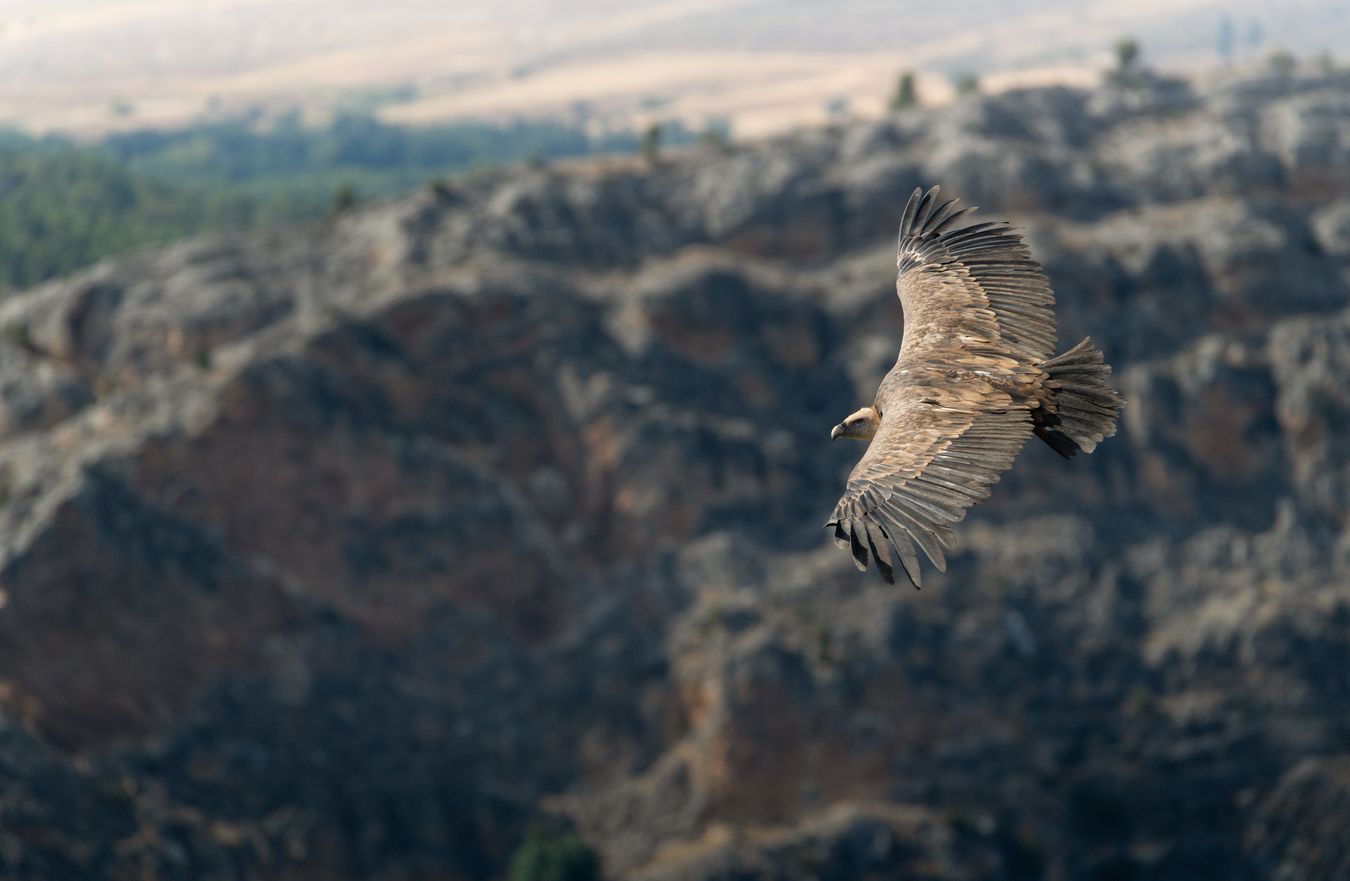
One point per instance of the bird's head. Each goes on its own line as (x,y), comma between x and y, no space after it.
(861,425)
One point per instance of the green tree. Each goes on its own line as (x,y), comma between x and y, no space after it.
(651,144)
(1128,70)
(1127,55)
(905,95)
(64,206)
(554,857)
(1281,62)
(966,83)
(716,133)
(344,199)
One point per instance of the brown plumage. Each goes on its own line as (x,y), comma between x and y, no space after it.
(975,379)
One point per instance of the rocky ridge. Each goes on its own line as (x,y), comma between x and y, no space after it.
(359,550)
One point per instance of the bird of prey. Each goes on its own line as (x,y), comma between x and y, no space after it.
(974,380)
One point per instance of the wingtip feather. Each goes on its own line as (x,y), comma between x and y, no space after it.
(881,551)
(859,552)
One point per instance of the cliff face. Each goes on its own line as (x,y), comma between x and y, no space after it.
(354,551)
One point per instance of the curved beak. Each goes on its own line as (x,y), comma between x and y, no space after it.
(837,432)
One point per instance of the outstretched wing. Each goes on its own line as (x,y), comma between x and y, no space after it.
(979,320)
(927,464)
(969,286)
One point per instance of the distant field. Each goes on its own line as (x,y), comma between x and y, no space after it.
(89,67)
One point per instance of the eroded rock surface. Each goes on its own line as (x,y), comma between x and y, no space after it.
(354,551)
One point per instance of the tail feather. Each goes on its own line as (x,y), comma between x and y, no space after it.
(1082,408)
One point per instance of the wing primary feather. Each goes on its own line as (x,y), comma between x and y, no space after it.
(967,233)
(927,209)
(923,533)
(946,536)
(908,558)
(881,551)
(907,219)
(859,552)
(946,223)
(950,485)
(924,507)
(938,216)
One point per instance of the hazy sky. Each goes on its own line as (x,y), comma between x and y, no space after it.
(91,65)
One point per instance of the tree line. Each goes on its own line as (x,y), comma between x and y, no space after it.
(64,205)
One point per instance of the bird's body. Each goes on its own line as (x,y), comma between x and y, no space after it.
(974,379)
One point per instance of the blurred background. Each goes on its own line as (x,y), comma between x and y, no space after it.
(414,443)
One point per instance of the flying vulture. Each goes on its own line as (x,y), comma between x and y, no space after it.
(975,379)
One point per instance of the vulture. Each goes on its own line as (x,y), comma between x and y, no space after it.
(976,377)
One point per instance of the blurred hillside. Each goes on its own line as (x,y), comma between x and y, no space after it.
(454,537)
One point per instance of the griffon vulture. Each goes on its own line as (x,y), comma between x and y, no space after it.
(975,379)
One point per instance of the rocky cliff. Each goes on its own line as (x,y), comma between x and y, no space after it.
(379,548)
